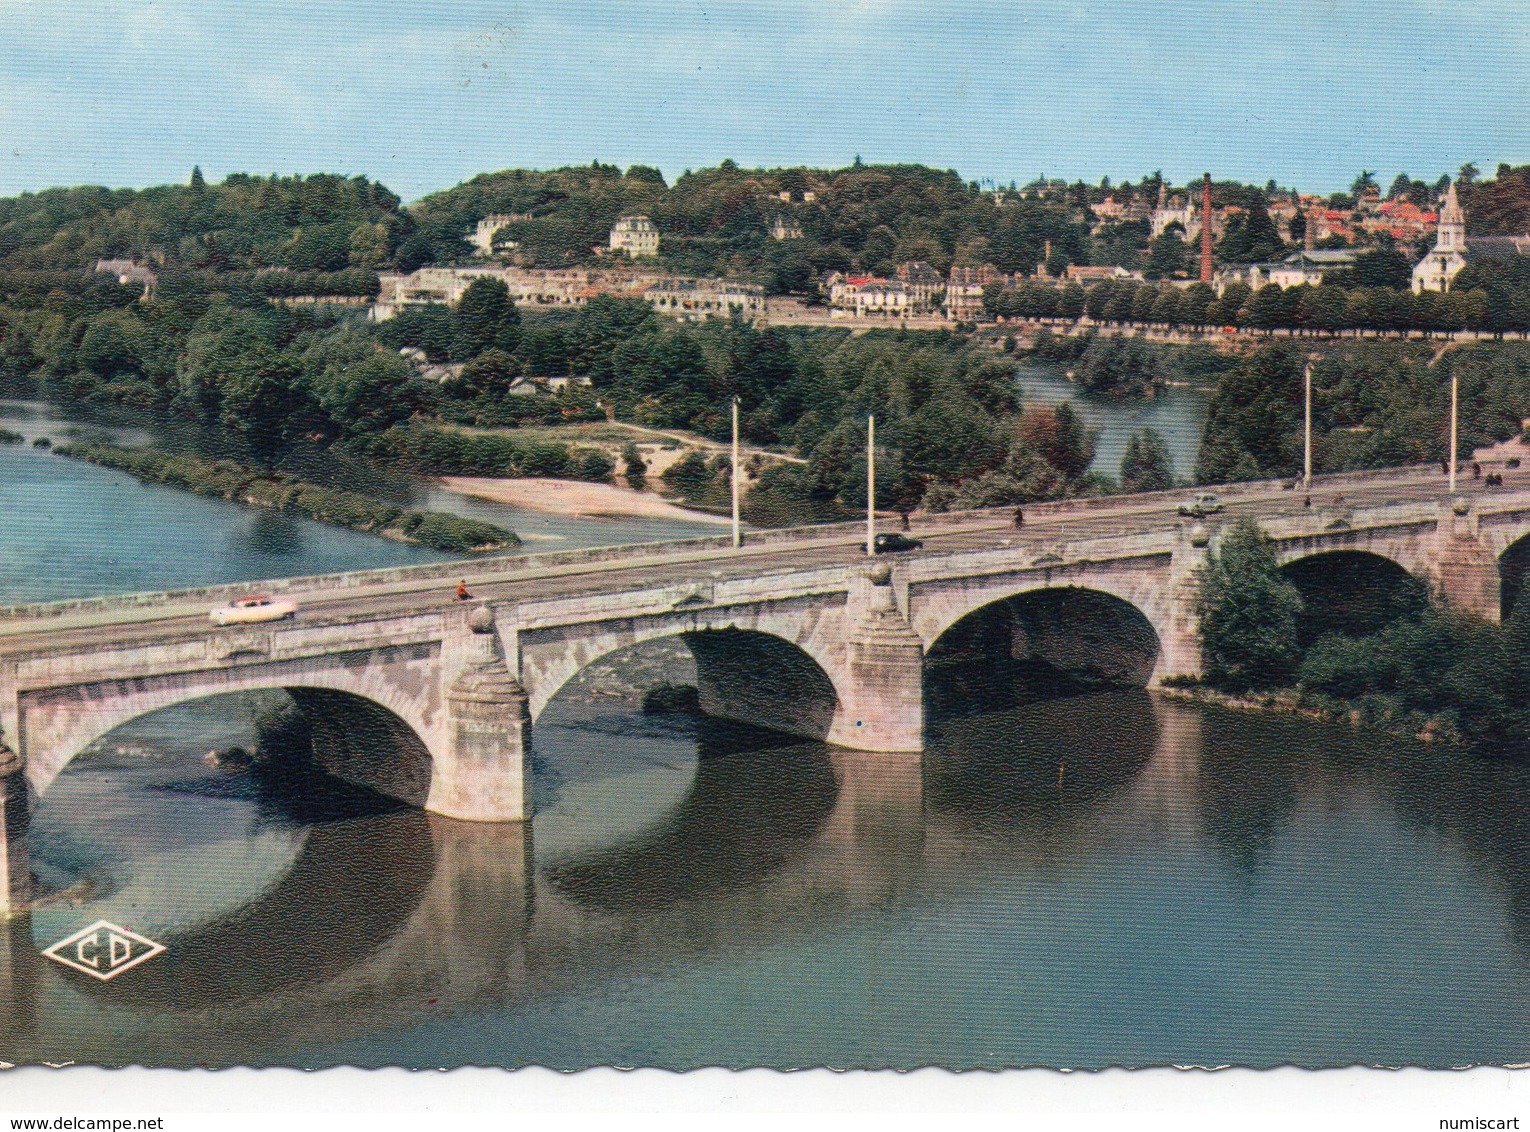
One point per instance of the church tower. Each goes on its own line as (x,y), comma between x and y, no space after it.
(1435,271)
(1451,235)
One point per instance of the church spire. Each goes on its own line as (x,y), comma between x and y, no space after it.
(1450,236)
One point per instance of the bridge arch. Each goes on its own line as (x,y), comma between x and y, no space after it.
(1353,592)
(1513,571)
(1079,635)
(376,718)
(1410,555)
(745,673)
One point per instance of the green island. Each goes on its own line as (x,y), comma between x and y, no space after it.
(256,487)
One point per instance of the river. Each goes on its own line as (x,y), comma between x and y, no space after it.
(1177,413)
(1102,879)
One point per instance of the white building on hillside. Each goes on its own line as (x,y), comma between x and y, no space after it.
(483,235)
(694,299)
(1435,271)
(636,235)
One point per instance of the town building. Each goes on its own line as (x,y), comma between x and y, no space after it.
(1309,267)
(638,236)
(964,291)
(1078,273)
(1108,209)
(129,271)
(483,234)
(532,288)
(1175,210)
(692,300)
(926,287)
(546,386)
(869,295)
(785,228)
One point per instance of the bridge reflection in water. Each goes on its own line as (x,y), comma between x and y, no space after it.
(391,920)
(387,917)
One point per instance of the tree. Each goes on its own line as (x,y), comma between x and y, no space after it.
(1267,308)
(1058,437)
(1248,614)
(264,400)
(1364,183)
(1322,308)
(634,467)
(688,476)
(368,246)
(1147,465)
(1167,257)
(1383,267)
(485,319)
(1195,307)
(1251,236)
(488,373)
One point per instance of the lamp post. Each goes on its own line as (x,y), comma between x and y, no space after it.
(1454,392)
(737,535)
(871,485)
(1307,429)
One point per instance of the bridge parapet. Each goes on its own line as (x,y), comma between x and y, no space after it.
(530,564)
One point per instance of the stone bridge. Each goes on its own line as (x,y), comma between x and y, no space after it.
(430,700)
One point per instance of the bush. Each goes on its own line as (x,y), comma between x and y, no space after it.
(592,464)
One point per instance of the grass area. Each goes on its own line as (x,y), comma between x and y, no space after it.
(587,432)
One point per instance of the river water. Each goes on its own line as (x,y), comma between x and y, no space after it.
(1102,879)
(1177,413)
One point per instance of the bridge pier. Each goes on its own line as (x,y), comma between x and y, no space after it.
(1466,570)
(882,697)
(488,736)
(15,864)
(1179,644)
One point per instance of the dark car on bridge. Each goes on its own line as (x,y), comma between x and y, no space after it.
(892,543)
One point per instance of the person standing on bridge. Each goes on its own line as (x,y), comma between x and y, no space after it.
(462,591)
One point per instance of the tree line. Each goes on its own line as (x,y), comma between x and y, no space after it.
(1374,405)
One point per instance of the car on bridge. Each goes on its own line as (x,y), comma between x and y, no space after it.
(249,610)
(892,543)
(1204,503)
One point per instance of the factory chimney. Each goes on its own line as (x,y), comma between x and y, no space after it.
(1206,228)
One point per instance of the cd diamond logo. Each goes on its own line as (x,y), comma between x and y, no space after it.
(103,950)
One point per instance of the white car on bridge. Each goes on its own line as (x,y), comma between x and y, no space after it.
(1204,503)
(248,610)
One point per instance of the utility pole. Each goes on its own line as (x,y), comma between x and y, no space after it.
(871,485)
(1307,430)
(738,539)
(1455,382)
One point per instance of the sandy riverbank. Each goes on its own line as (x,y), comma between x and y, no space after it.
(572,497)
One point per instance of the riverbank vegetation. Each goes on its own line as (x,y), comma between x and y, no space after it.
(1428,671)
(217,339)
(258,487)
(1374,404)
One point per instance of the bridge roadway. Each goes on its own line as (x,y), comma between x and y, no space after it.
(527,578)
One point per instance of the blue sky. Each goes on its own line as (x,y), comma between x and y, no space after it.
(425,93)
